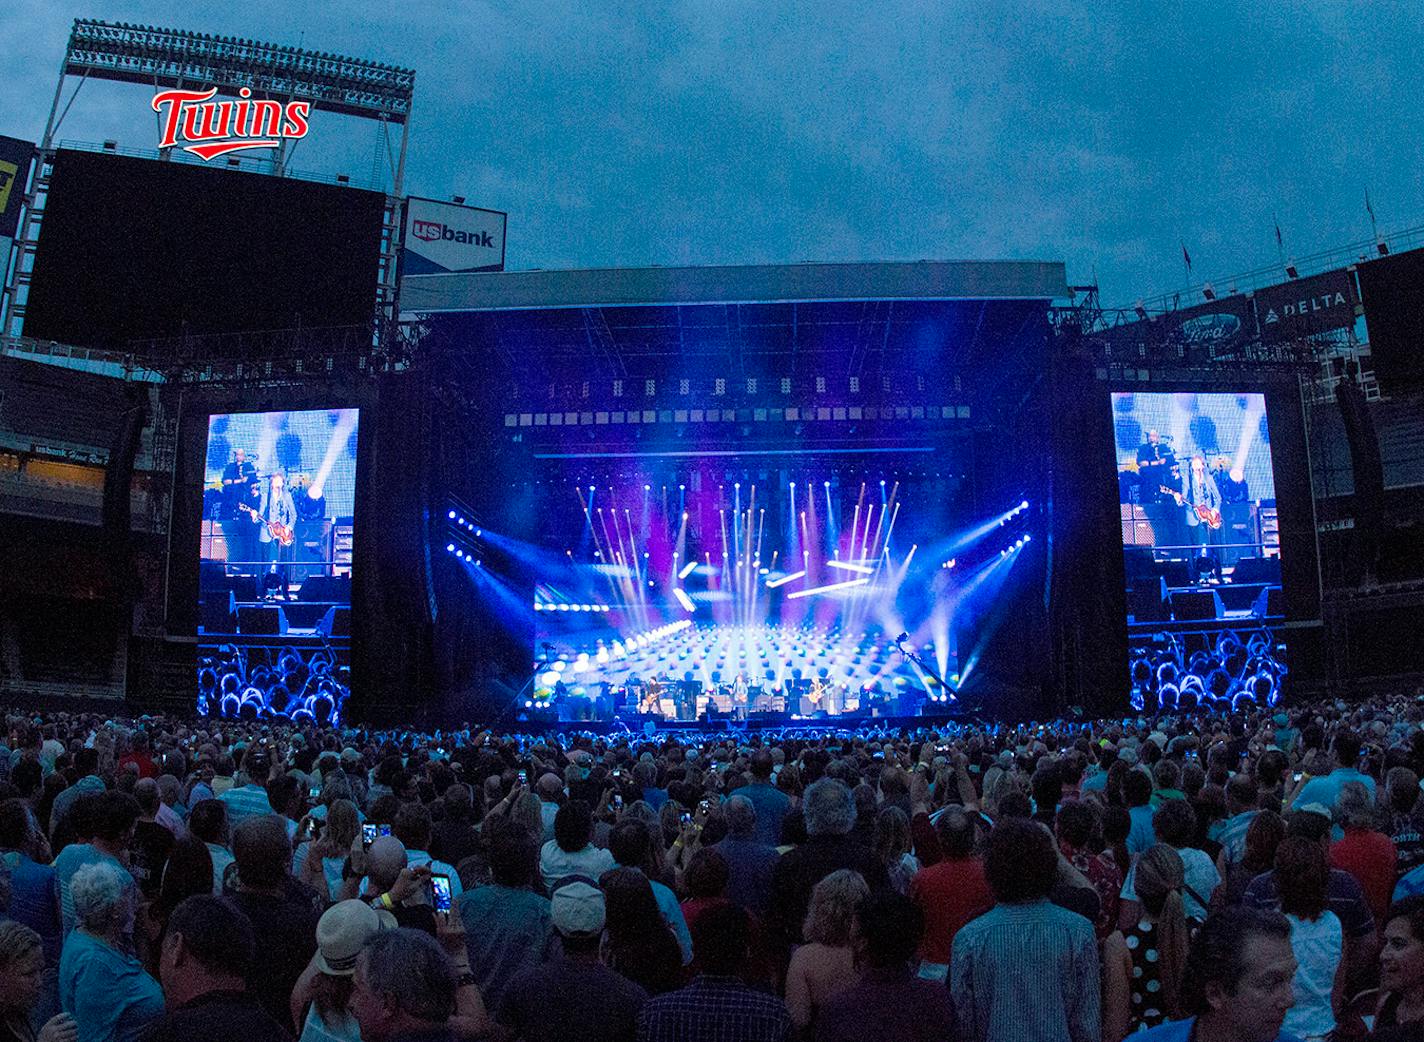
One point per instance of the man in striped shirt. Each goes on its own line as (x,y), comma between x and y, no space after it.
(248,798)
(1026,971)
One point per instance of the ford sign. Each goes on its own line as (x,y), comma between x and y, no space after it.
(1211,329)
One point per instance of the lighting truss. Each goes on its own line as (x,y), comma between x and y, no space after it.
(178,58)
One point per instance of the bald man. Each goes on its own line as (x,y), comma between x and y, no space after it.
(391,885)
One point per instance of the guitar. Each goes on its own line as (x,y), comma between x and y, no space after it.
(280,532)
(1212,518)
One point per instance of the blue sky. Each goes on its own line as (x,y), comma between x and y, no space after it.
(723,132)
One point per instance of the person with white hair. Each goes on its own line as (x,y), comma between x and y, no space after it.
(829,811)
(101,985)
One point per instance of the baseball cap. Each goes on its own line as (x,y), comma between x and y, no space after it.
(577,908)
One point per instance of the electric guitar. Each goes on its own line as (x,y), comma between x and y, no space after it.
(280,532)
(1211,517)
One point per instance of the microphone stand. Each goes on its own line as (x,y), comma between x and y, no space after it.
(959,709)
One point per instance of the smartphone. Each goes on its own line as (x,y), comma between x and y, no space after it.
(383,830)
(524,778)
(440,891)
(618,772)
(314,792)
(705,806)
(1297,775)
(617,801)
(368,835)
(686,818)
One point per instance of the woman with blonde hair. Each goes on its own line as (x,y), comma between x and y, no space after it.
(825,964)
(22,964)
(318,863)
(892,845)
(1143,965)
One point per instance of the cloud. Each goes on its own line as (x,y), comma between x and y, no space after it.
(726,131)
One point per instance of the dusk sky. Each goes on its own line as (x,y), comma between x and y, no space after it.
(721,132)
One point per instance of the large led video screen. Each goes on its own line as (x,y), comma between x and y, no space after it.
(799,589)
(135,248)
(278,516)
(1201,537)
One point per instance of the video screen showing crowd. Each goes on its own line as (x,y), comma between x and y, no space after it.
(276,537)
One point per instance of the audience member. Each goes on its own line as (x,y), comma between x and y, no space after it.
(1237,982)
(103,987)
(209,953)
(573,995)
(825,964)
(1027,969)
(887,1001)
(949,893)
(751,862)
(1401,1010)
(717,1005)
(507,925)
(22,971)
(284,922)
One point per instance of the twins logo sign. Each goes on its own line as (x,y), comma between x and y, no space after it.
(216,128)
(441,238)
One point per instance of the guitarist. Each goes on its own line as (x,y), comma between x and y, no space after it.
(277,506)
(1199,489)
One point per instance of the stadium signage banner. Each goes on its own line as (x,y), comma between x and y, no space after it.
(1302,307)
(1216,326)
(192,120)
(441,238)
(15,157)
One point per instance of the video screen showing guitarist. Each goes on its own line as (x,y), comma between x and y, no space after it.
(276,521)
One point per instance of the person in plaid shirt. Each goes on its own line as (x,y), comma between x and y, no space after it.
(717,1006)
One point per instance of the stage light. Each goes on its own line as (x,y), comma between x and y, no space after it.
(791,485)
(682,488)
(479,533)
(846,566)
(1027,537)
(452,515)
(826,483)
(1023,505)
(647,488)
(687,569)
(882,482)
(847,584)
(460,522)
(772,584)
(683,599)
(528,704)
(450,548)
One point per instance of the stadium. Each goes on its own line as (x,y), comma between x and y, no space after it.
(560,579)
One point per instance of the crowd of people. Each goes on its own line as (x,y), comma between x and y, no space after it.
(1243,877)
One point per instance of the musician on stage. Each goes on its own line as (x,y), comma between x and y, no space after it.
(277,507)
(1199,493)
(1156,467)
(240,488)
(739,696)
(1199,489)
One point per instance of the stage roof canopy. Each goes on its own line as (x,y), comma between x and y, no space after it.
(768,283)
